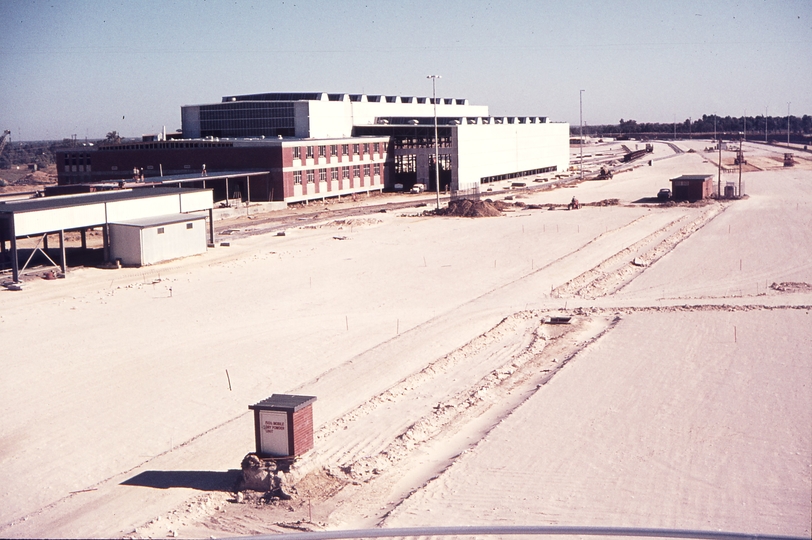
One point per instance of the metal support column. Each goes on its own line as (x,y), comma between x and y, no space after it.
(106,242)
(45,242)
(84,238)
(211,226)
(15,264)
(63,259)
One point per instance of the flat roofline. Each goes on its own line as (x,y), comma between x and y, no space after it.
(81,199)
(169,219)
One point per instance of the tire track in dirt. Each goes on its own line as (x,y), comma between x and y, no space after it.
(493,397)
(617,271)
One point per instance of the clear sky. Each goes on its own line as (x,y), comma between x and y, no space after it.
(89,67)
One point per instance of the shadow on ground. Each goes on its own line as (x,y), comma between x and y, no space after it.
(200,480)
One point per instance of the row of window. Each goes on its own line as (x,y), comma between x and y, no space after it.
(407,163)
(518,174)
(422,142)
(167,145)
(345,150)
(345,173)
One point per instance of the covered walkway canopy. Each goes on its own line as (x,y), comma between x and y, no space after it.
(41,216)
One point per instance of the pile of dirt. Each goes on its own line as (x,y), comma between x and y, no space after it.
(469,208)
(36,178)
(791,286)
(604,202)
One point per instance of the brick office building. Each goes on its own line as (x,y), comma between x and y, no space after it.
(301,146)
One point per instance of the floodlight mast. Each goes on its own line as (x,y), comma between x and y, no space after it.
(581,129)
(436,140)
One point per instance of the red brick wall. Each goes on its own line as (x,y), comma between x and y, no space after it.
(302,430)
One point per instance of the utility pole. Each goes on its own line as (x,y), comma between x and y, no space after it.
(741,161)
(436,140)
(581,130)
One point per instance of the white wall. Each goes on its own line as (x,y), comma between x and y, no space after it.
(137,246)
(493,149)
(326,119)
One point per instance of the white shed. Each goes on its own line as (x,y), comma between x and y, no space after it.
(146,241)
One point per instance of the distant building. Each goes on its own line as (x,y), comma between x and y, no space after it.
(317,145)
(692,187)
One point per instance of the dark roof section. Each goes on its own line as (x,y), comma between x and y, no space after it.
(45,203)
(693,177)
(277,96)
(283,402)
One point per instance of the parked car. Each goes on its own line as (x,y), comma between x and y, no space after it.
(664,194)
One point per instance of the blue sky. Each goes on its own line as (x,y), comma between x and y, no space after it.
(89,67)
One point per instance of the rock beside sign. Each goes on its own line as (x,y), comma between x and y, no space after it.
(262,475)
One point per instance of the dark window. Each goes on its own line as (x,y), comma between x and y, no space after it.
(333,150)
(309,151)
(345,149)
(366,171)
(190,225)
(322,151)
(160,230)
(323,175)
(345,173)
(356,149)
(356,171)
(297,152)
(334,174)
(366,148)
(311,177)
(377,147)
(297,177)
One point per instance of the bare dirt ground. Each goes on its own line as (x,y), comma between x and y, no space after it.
(680,395)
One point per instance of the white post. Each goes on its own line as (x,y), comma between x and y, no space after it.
(581,129)
(436,140)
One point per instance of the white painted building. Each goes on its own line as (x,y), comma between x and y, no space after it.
(145,241)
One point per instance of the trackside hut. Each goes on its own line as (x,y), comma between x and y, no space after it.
(146,241)
(692,187)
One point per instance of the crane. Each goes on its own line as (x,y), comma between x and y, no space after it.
(4,140)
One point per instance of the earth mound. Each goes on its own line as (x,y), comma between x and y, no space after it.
(469,208)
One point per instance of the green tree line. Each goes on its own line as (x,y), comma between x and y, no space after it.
(708,124)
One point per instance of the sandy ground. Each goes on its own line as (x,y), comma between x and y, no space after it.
(680,396)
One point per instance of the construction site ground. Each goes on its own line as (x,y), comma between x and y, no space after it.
(679,396)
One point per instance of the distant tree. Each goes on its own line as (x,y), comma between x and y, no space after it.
(112,137)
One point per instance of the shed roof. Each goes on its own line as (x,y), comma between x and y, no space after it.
(155,221)
(283,402)
(63,201)
(693,177)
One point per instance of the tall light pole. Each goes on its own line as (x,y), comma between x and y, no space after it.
(436,140)
(581,129)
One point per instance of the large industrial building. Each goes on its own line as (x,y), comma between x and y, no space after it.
(302,146)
